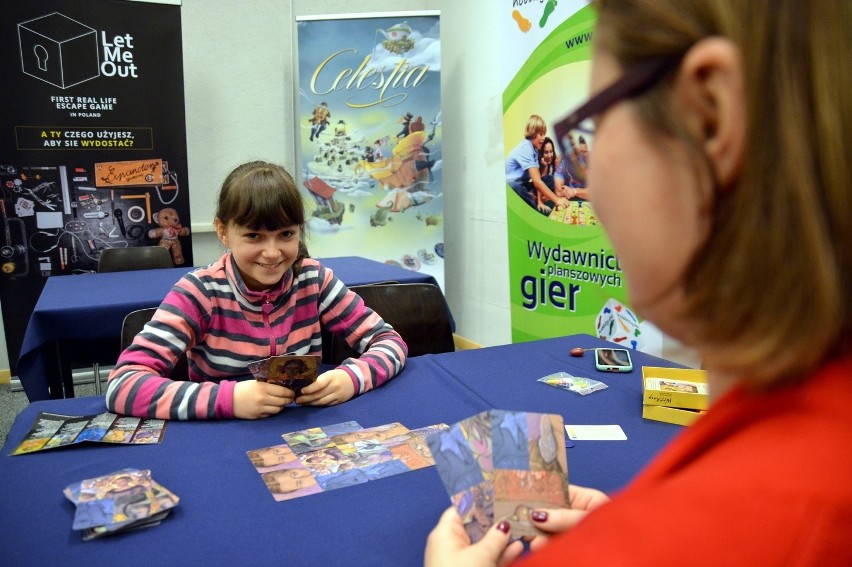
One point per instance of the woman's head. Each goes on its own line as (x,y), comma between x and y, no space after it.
(547,153)
(753,125)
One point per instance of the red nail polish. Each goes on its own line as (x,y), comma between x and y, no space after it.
(539,516)
(504,526)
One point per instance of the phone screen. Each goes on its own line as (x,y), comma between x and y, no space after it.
(613,359)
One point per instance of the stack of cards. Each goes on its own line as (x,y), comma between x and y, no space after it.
(500,465)
(124,500)
(291,370)
(565,381)
(340,455)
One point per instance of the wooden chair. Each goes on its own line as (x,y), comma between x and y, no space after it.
(134,258)
(418,312)
(135,322)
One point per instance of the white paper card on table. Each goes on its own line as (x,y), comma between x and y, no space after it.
(595,433)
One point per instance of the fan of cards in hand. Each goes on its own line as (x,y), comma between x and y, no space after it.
(294,371)
(500,465)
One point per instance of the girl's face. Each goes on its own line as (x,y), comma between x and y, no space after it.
(262,256)
(646,191)
(547,153)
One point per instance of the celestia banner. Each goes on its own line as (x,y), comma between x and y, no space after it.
(92,142)
(370,137)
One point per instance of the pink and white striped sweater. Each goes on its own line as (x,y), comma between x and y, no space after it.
(222,325)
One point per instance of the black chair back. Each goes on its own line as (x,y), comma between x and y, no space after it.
(135,322)
(418,312)
(134,258)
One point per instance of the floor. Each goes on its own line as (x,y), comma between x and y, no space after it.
(12,402)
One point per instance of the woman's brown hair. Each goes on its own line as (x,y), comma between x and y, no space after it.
(773,277)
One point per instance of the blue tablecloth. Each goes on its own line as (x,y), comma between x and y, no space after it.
(93,306)
(226,516)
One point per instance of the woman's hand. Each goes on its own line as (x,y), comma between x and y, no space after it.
(583,500)
(331,388)
(253,399)
(449,544)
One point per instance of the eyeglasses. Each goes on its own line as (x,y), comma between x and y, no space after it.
(633,82)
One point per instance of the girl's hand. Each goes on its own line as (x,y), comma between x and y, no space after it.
(449,544)
(253,399)
(331,388)
(583,500)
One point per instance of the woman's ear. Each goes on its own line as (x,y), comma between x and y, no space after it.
(710,90)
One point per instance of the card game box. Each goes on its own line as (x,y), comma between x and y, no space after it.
(675,387)
(678,416)
(674,395)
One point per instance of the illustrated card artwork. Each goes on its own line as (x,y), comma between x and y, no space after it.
(463,478)
(344,454)
(502,465)
(294,371)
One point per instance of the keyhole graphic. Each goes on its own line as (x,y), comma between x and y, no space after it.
(41,56)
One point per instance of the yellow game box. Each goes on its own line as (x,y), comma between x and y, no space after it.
(677,416)
(682,388)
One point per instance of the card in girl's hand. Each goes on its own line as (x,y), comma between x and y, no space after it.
(295,371)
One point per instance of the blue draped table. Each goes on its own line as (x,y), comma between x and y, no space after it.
(226,515)
(91,307)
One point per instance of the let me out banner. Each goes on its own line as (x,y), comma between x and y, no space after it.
(92,141)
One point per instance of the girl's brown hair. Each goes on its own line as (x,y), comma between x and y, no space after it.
(262,195)
(773,277)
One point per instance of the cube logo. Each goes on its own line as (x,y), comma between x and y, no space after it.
(59,50)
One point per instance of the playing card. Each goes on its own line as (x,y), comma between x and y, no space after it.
(502,465)
(595,432)
(291,370)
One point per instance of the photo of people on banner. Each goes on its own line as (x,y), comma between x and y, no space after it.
(553,184)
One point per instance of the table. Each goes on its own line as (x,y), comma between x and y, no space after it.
(227,516)
(92,306)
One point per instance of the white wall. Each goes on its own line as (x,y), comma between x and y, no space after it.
(238,71)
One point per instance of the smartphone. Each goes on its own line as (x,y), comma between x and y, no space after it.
(613,360)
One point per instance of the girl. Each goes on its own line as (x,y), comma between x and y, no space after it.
(263,297)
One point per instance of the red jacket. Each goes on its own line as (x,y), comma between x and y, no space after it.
(762,479)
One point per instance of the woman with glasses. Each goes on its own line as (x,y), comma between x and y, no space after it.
(722,176)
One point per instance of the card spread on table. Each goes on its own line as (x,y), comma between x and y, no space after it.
(51,430)
(501,465)
(595,432)
(120,501)
(320,459)
(295,371)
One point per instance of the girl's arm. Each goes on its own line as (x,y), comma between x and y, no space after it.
(138,384)
(344,313)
